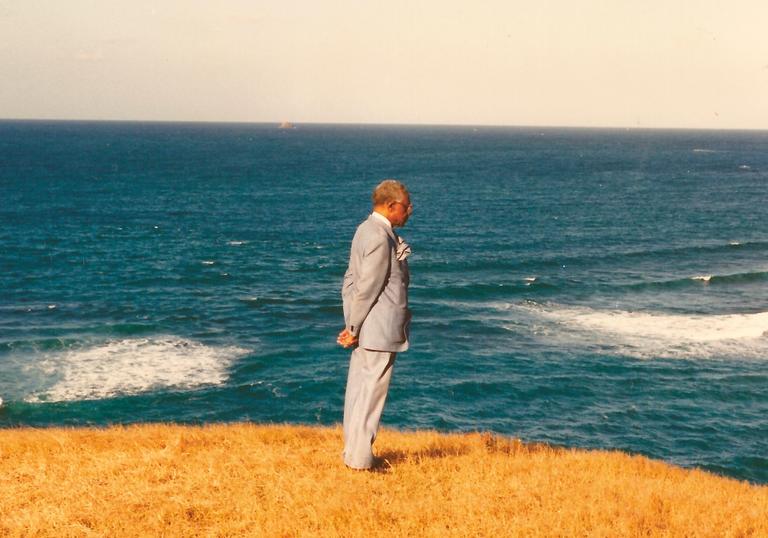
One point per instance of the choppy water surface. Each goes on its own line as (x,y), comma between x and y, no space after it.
(590,288)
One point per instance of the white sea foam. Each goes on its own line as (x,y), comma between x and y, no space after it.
(654,334)
(236,243)
(34,307)
(132,366)
(703,278)
(208,262)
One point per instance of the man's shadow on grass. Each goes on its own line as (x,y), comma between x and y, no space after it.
(387,459)
(394,457)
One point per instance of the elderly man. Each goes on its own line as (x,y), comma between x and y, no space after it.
(375,295)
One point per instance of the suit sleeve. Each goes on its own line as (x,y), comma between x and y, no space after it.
(374,269)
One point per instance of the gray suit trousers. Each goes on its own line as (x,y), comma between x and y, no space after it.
(367,385)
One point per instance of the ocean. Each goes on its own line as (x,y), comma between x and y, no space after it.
(591,288)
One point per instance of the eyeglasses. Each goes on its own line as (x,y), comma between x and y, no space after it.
(408,206)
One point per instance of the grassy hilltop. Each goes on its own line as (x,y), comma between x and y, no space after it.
(252,480)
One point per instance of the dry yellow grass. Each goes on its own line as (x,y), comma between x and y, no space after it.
(250,480)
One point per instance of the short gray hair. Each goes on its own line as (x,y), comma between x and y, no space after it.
(389,190)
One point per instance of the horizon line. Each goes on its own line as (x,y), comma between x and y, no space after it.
(296,124)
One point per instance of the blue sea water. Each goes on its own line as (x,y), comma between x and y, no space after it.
(582,287)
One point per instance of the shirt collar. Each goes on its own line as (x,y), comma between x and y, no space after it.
(382,218)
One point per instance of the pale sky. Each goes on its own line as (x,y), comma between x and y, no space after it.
(611,63)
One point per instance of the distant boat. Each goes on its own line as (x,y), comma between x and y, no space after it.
(286,125)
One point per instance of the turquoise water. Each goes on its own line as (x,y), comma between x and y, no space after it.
(588,288)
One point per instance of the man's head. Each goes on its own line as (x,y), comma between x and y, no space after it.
(391,199)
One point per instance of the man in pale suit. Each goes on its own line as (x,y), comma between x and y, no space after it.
(376,316)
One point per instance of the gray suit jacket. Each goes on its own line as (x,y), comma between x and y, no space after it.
(375,289)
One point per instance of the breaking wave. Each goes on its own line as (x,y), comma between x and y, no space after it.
(130,366)
(653,334)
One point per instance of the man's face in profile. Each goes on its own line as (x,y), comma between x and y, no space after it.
(400,211)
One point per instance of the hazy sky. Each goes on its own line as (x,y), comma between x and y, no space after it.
(651,63)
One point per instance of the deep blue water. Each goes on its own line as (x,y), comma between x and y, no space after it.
(587,288)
